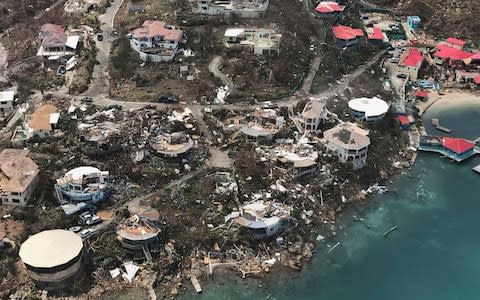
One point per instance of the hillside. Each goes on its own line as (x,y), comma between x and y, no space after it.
(442,18)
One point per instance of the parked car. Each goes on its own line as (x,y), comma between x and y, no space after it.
(403,76)
(269,105)
(75,229)
(93,220)
(116,106)
(86,233)
(87,99)
(167,100)
(99,37)
(61,70)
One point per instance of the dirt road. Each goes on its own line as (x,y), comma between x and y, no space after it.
(214,68)
(100,71)
(3,62)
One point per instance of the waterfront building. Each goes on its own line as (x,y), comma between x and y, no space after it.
(370,110)
(410,63)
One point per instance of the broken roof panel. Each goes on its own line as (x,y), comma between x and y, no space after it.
(151,29)
(327,7)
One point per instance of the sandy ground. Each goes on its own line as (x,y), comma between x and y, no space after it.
(457,98)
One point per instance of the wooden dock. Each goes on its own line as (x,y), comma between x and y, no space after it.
(476,169)
(436,124)
(196,284)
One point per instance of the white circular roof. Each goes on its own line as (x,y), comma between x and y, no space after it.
(370,106)
(77,173)
(50,248)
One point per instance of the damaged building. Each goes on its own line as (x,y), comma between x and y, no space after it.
(225,183)
(260,41)
(313,115)
(263,219)
(83,184)
(299,158)
(349,143)
(100,139)
(262,125)
(156,41)
(177,144)
(240,8)
(139,234)
(18,177)
(54,259)
(40,124)
(56,45)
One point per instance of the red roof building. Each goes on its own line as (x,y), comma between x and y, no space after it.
(457,145)
(447,52)
(422,94)
(455,42)
(412,58)
(404,121)
(477,80)
(377,34)
(329,7)
(346,32)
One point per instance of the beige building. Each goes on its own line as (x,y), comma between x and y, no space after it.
(314,113)
(53,258)
(349,143)
(18,177)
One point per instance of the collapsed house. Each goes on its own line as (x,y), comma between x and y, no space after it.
(300,158)
(100,139)
(18,177)
(80,6)
(263,219)
(56,45)
(54,259)
(262,125)
(83,184)
(177,144)
(261,41)
(349,143)
(156,41)
(6,101)
(225,183)
(241,8)
(41,124)
(139,234)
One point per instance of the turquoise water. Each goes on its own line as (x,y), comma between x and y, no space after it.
(434,254)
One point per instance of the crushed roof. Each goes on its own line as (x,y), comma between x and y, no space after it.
(313,109)
(52,34)
(17,170)
(152,29)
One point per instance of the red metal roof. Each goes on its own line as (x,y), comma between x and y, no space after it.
(403,120)
(327,7)
(475,56)
(422,94)
(455,41)
(346,32)
(377,34)
(457,145)
(412,58)
(477,80)
(445,51)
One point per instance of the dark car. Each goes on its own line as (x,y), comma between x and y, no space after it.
(403,76)
(166,100)
(87,99)
(99,37)
(61,70)
(114,106)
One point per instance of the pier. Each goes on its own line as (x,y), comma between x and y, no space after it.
(436,124)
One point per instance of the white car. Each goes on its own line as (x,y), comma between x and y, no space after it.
(86,233)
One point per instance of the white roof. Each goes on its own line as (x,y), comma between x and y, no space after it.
(77,173)
(54,118)
(7,95)
(51,248)
(234,32)
(72,41)
(372,107)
